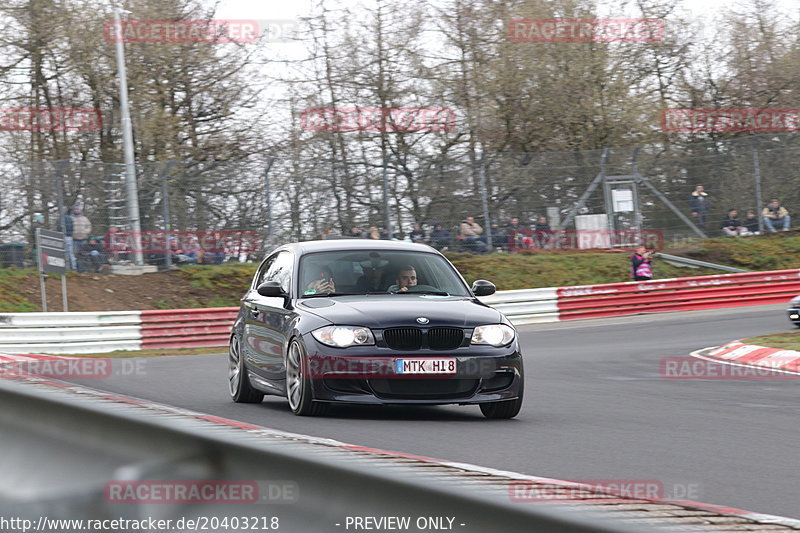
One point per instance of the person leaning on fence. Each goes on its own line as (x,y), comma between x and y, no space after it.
(700,206)
(775,214)
(731,226)
(641,268)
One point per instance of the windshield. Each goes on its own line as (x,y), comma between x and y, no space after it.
(384,272)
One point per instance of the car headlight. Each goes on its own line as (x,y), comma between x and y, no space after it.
(344,336)
(493,334)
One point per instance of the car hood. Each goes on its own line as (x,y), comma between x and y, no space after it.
(378,311)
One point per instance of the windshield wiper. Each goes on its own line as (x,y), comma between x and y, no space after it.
(318,294)
(435,293)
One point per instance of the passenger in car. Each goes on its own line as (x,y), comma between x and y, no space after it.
(323,282)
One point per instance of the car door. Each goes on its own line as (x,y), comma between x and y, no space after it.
(268,320)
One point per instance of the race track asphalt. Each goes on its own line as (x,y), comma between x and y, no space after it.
(596,408)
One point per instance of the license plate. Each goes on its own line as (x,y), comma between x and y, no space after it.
(445,365)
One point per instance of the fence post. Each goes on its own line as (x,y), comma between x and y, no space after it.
(757,176)
(386,212)
(485,201)
(268,194)
(165,211)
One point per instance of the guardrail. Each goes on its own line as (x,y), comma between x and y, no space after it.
(66,333)
(678,294)
(85,332)
(61,453)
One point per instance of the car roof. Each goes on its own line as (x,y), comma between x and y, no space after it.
(332,245)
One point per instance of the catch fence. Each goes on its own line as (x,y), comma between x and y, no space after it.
(281,199)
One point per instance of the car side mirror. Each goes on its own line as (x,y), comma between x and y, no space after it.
(271,289)
(482,287)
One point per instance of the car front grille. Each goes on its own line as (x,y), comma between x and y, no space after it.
(445,338)
(439,338)
(403,338)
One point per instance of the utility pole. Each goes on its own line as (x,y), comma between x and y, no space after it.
(132,193)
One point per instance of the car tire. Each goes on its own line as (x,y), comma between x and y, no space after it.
(238,382)
(504,409)
(298,384)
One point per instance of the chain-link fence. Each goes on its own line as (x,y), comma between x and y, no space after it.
(258,203)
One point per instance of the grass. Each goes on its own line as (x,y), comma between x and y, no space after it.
(557,269)
(784,340)
(196,286)
(11,301)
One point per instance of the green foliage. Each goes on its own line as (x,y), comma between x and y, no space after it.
(225,277)
(786,340)
(777,251)
(11,301)
(556,269)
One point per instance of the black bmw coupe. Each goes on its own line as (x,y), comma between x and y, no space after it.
(371,322)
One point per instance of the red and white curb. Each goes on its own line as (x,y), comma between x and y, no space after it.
(676,515)
(753,356)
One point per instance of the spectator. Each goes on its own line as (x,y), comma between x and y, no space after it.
(66,225)
(731,226)
(471,235)
(641,269)
(116,244)
(355,233)
(94,252)
(751,222)
(499,237)
(374,233)
(417,234)
(189,254)
(81,229)
(384,233)
(700,206)
(518,235)
(542,232)
(440,238)
(216,254)
(775,214)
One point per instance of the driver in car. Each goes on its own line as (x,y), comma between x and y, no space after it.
(406,277)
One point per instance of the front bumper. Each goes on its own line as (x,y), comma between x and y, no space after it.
(367,375)
(794,315)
